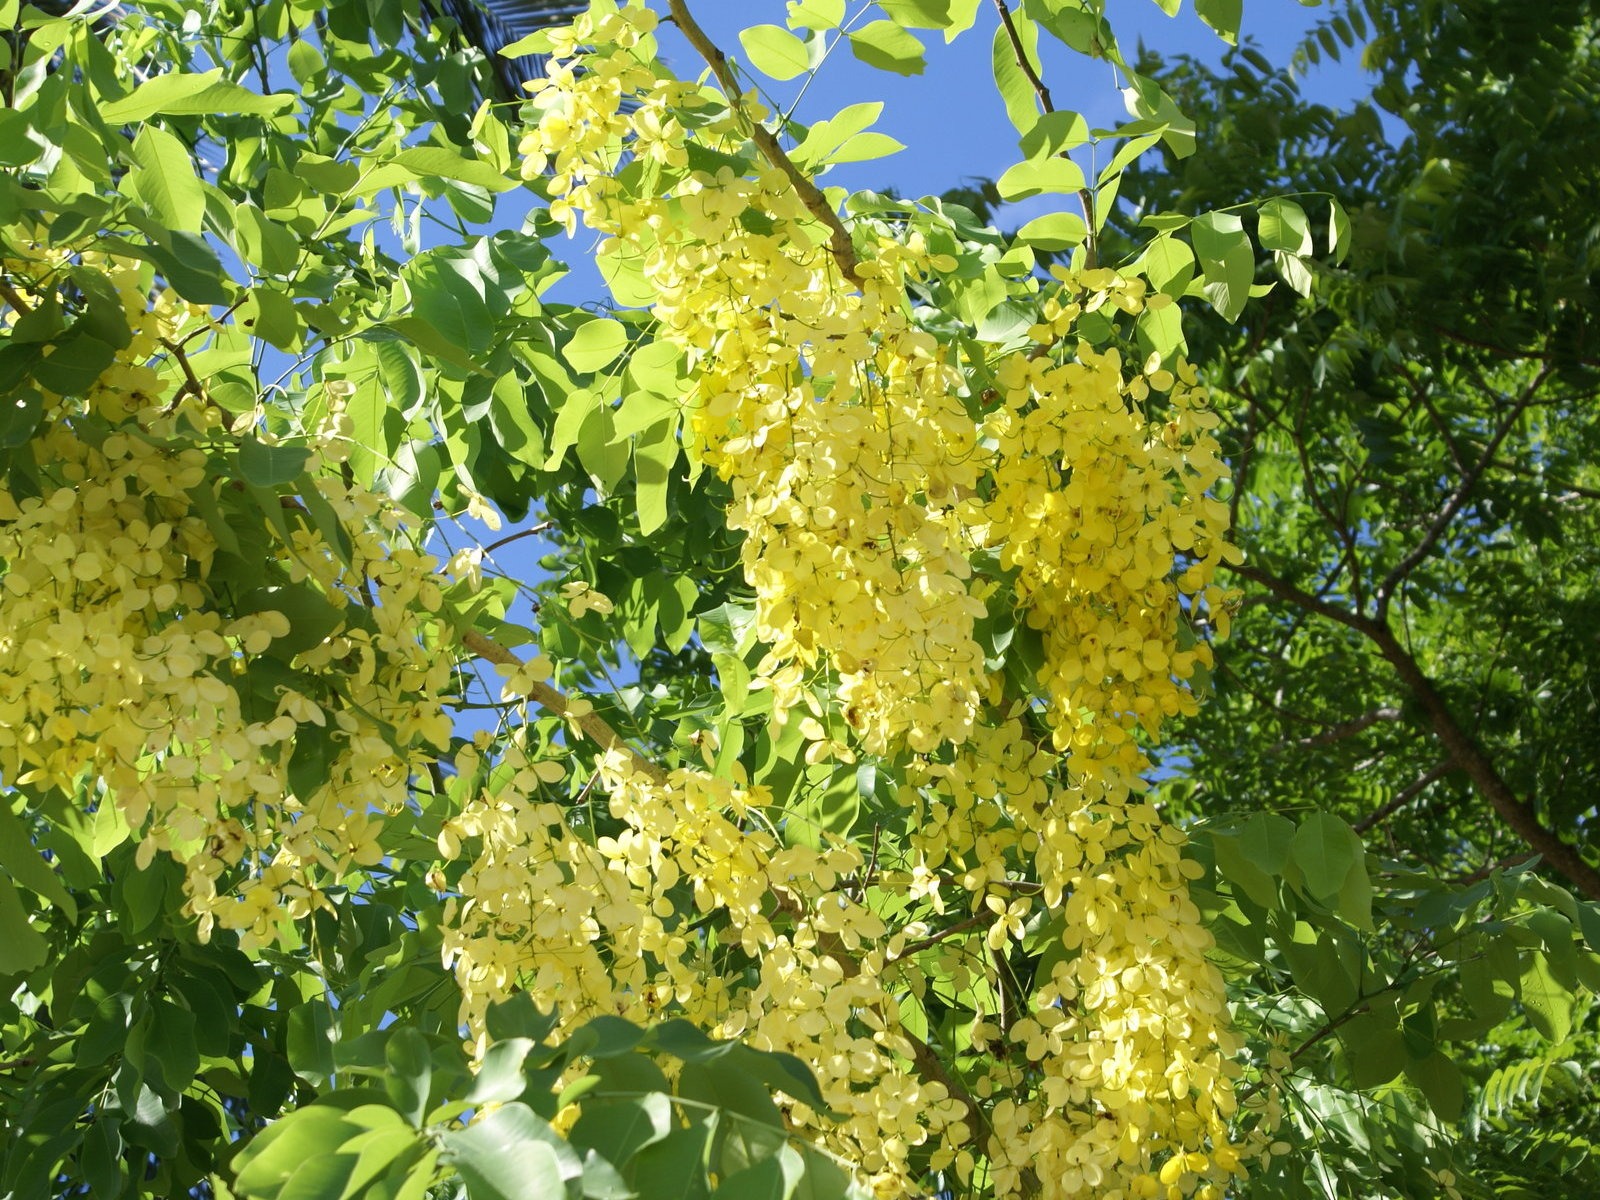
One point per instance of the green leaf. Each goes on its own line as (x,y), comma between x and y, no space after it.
(265,243)
(21,946)
(410,1074)
(1338,232)
(1439,1079)
(1222,15)
(674,1166)
(816,14)
(74,363)
(595,345)
(171,1044)
(442,163)
(271,316)
(1326,850)
(918,14)
(773,1178)
(163,179)
(519,1017)
(774,51)
(20,143)
(1225,260)
(180,94)
(274,1154)
(1054,231)
(20,860)
(1548,1003)
(506,1156)
(268,466)
(654,455)
(309,1043)
(726,1084)
(1055,133)
(619,1129)
(828,135)
(885,45)
(866,146)
(1283,226)
(1016,90)
(1293,270)
(1038,176)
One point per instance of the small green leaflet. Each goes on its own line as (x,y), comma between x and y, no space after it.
(163,179)
(268,466)
(595,345)
(1038,176)
(884,45)
(774,51)
(202,95)
(816,14)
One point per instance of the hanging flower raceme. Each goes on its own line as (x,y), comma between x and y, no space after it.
(151,664)
(891,484)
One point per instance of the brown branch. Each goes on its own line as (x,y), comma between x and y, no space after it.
(932,1067)
(192,384)
(1303,599)
(1085,196)
(531,531)
(1341,529)
(593,725)
(1461,748)
(1338,731)
(1489,868)
(1465,753)
(1405,796)
(1452,506)
(844,251)
(14,298)
(1505,351)
(962,926)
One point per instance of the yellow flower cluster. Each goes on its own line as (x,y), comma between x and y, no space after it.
(1092,504)
(661,911)
(835,420)
(870,467)
(128,679)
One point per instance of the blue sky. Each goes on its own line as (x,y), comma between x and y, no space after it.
(951,118)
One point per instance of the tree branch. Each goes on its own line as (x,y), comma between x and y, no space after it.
(1504,351)
(1338,730)
(591,723)
(1405,796)
(1465,753)
(1462,750)
(844,251)
(962,926)
(1085,196)
(1301,598)
(1452,506)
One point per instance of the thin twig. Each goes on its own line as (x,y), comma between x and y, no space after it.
(1456,502)
(531,531)
(962,926)
(1085,196)
(1338,731)
(14,298)
(594,726)
(844,251)
(192,383)
(1405,796)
